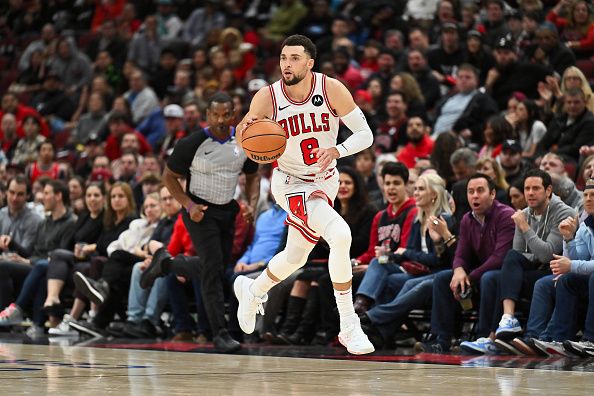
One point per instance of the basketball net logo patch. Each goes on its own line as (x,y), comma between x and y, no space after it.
(296,203)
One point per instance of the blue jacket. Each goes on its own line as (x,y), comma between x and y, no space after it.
(413,247)
(581,249)
(269,231)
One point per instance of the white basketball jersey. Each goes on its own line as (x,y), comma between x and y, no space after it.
(308,124)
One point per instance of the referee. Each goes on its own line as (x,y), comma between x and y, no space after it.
(211,162)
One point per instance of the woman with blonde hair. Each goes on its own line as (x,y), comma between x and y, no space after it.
(430,248)
(572,78)
(490,167)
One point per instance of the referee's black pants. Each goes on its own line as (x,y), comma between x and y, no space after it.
(213,241)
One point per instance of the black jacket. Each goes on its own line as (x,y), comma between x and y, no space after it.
(568,139)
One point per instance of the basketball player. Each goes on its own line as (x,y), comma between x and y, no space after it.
(309,107)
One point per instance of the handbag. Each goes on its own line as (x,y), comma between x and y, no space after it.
(414,268)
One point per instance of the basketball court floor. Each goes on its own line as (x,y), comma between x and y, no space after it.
(126,367)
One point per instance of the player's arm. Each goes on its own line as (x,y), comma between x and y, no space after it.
(351,115)
(260,107)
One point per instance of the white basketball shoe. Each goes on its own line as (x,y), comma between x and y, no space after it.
(249,305)
(353,338)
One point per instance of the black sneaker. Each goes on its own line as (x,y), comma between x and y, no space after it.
(142,329)
(88,328)
(155,268)
(224,343)
(95,290)
(431,347)
(507,347)
(116,329)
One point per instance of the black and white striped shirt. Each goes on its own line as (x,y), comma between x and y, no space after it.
(211,166)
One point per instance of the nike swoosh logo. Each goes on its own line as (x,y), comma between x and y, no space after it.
(282,108)
(207,152)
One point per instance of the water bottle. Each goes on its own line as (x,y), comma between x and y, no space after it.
(385,256)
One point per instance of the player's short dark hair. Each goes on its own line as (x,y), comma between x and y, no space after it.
(220,97)
(395,169)
(305,42)
(544,176)
(490,181)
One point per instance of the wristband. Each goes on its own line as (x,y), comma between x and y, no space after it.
(190,206)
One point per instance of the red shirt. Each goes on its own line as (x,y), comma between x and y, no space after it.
(409,153)
(180,242)
(405,227)
(20,114)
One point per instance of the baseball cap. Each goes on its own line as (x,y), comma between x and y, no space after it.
(173,111)
(474,33)
(512,145)
(505,42)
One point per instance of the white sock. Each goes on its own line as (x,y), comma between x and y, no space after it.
(262,284)
(344,302)
(507,316)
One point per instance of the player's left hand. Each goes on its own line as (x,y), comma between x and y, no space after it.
(325,156)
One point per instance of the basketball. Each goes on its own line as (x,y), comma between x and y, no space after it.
(264,141)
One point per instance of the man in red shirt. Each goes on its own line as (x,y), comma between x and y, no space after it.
(119,125)
(420,145)
(10,104)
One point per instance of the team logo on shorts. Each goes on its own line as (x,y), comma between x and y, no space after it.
(317,100)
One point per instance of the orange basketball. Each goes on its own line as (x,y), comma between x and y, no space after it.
(264,141)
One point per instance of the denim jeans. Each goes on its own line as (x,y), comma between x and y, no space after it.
(571,288)
(376,278)
(541,307)
(446,309)
(415,294)
(145,304)
(180,309)
(34,291)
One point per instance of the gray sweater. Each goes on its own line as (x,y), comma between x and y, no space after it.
(543,239)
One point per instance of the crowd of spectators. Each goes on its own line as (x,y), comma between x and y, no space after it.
(95,95)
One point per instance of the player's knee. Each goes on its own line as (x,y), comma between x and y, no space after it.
(296,256)
(338,234)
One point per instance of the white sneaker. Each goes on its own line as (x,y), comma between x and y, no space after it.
(354,339)
(35,331)
(63,329)
(249,305)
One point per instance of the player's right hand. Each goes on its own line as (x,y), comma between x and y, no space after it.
(241,127)
(197,212)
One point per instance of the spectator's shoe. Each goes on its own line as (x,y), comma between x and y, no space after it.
(201,339)
(155,268)
(353,338)
(508,329)
(362,304)
(431,347)
(526,346)
(224,343)
(11,315)
(95,290)
(507,347)
(142,329)
(34,332)
(88,328)
(63,329)
(482,346)
(249,305)
(551,348)
(581,348)
(183,336)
